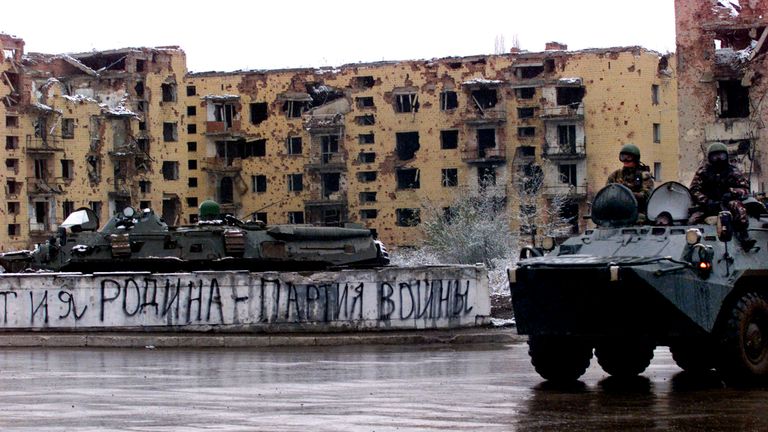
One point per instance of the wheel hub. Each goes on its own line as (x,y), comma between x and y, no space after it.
(753,343)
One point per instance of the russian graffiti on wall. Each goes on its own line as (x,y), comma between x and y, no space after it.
(399,298)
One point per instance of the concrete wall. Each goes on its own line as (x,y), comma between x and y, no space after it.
(381,299)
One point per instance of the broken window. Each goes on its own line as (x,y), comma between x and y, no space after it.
(191,146)
(225,113)
(486,138)
(96,207)
(14,230)
(657,132)
(567,174)
(549,65)
(329,146)
(145,186)
(366,138)
(67,128)
(294,108)
(407,145)
(169,92)
(140,65)
(192,164)
(525,113)
(448,100)
(364,82)
(192,128)
(12,164)
(368,214)
(170,170)
(367,157)
(259,183)
(191,90)
(145,204)
(11,121)
(406,102)
(733,99)
(566,137)
(170,132)
(296,217)
(12,187)
(120,169)
(569,95)
(41,169)
(365,120)
(331,183)
(654,94)
(367,197)
(408,217)
(364,102)
(450,177)
(529,71)
(293,145)
(191,110)
(486,176)
(449,139)
(259,112)
(11,142)
(408,178)
(192,182)
(229,150)
(142,125)
(366,176)
(191,201)
(261,216)
(139,88)
(525,92)
(295,182)
(143,145)
(14,207)
(485,98)
(526,132)
(67,169)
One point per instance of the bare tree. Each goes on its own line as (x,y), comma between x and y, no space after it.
(540,210)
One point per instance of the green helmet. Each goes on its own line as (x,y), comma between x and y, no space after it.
(209,210)
(716,147)
(631,149)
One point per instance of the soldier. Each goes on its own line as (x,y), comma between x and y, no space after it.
(719,185)
(635,175)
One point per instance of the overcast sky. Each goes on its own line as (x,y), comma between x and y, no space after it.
(232,35)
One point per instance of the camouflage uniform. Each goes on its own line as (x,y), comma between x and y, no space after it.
(638,180)
(710,186)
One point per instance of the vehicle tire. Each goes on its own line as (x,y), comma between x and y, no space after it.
(624,359)
(559,358)
(744,354)
(694,356)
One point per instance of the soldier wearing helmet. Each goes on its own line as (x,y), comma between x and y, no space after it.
(635,175)
(719,185)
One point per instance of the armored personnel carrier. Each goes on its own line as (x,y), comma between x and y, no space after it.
(140,240)
(622,289)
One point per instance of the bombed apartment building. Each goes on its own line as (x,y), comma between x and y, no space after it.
(722,84)
(363,143)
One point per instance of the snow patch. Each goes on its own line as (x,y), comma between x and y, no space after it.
(502,322)
(732,7)
(482,81)
(79,98)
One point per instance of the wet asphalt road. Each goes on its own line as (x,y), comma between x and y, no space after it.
(393,388)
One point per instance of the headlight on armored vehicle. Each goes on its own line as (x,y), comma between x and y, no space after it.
(701,258)
(548,243)
(693,236)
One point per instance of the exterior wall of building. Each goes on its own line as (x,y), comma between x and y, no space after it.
(721,58)
(377,141)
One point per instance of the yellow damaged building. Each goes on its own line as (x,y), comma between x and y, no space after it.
(366,143)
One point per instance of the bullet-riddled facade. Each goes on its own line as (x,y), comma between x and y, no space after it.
(365,143)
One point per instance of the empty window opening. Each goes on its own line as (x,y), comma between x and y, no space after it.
(295,182)
(170,132)
(408,178)
(191,110)
(569,95)
(448,100)
(486,138)
(14,207)
(41,211)
(655,94)
(259,112)
(486,176)
(192,164)
(12,187)
(11,142)
(568,174)
(364,82)
(367,197)
(140,65)
(525,113)
(14,230)
(143,145)
(41,169)
(732,99)
(12,121)
(364,102)
(294,108)
(142,125)
(259,183)
(566,137)
(656,132)
(485,98)
(225,113)
(526,151)
(67,169)
(368,214)
(407,144)
(145,204)
(139,88)
(527,72)
(12,164)
(366,138)
(191,90)
(657,170)
(230,150)
(331,184)
(407,102)
(68,207)
(192,128)
(367,157)
(450,177)
(170,170)
(569,212)
(366,176)
(549,65)
(526,132)
(192,182)
(365,120)
(449,139)
(191,146)
(145,186)
(262,216)
(408,217)
(296,217)
(67,128)
(226,190)
(329,147)
(525,92)
(169,92)
(293,145)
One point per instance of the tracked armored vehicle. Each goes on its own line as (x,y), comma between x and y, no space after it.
(141,241)
(622,289)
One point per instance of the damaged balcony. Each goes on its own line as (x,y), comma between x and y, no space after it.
(43,146)
(563,101)
(46,186)
(327,118)
(561,112)
(485,104)
(223,115)
(568,150)
(734,129)
(486,149)
(222,165)
(566,179)
(325,154)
